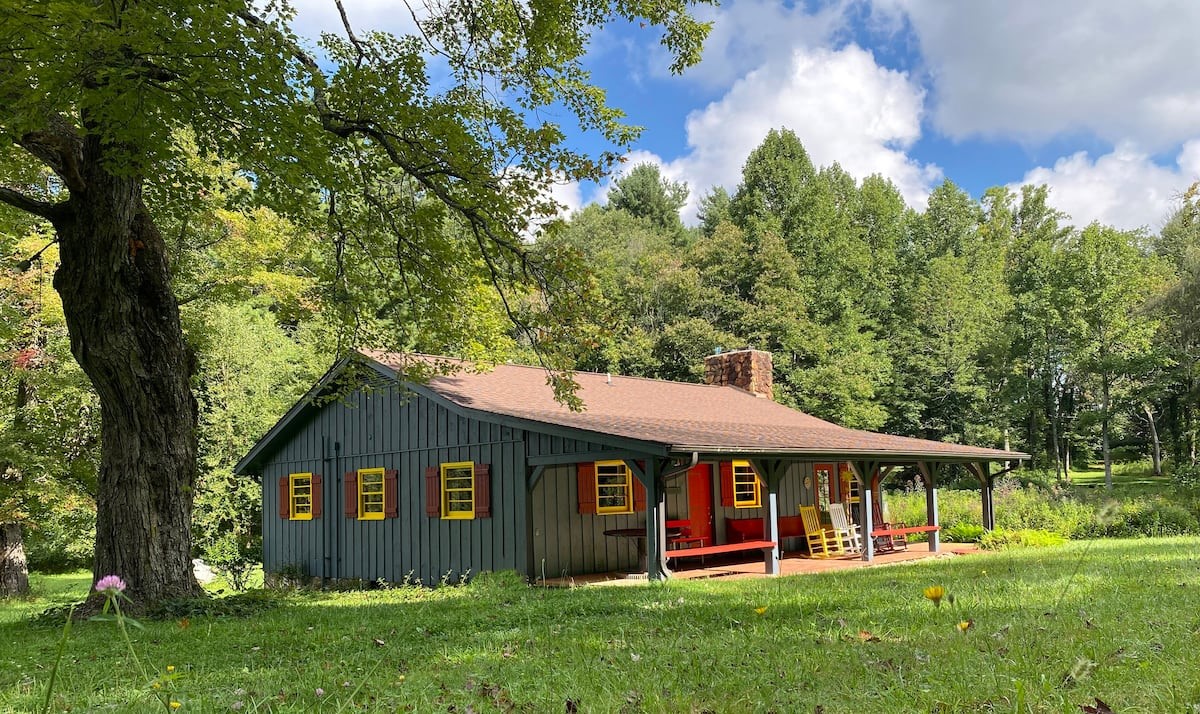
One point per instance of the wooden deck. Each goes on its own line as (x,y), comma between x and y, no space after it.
(753,567)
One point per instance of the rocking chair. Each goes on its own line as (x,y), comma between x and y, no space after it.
(887,543)
(822,542)
(849,533)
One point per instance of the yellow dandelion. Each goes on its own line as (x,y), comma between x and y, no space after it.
(175,705)
(170,668)
(935,593)
(155,685)
(965,625)
(760,610)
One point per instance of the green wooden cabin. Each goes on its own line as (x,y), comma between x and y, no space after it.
(372,476)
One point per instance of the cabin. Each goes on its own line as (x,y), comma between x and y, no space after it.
(379,475)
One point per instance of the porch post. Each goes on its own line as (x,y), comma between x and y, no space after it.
(864,471)
(656,524)
(930,472)
(771,474)
(989,504)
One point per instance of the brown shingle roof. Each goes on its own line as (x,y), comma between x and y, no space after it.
(682,416)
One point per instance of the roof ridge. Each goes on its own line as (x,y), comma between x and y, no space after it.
(616,375)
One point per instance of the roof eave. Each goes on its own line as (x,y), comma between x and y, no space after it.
(849,454)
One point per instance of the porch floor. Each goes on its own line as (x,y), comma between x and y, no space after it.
(790,564)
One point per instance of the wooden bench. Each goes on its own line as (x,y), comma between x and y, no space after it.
(740,530)
(684,527)
(763,545)
(903,531)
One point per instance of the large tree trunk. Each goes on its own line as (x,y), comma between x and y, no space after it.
(14,571)
(125,332)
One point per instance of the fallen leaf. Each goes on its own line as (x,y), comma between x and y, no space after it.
(1099,708)
(378,642)
(865,636)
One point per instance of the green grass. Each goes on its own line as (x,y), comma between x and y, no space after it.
(1053,628)
(1129,479)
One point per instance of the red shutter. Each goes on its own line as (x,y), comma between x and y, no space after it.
(350,494)
(727,498)
(285,498)
(318,496)
(639,489)
(389,494)
(433,492)
(586,474)
(639,494)
(483,491)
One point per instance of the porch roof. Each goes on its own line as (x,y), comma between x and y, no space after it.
(681,416)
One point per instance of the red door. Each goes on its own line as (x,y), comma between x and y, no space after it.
(700,502)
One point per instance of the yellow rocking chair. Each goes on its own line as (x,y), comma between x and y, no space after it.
(822,542)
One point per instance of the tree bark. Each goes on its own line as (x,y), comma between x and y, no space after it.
(14,571)
(14,568)
(1156,454)
(1106,403)
(125,332)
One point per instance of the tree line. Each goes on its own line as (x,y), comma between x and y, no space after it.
(991,321)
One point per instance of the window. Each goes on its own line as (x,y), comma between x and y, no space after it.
(370,494)
(850,488)
(458,490)
(614,487)
(746,492)
(825,485)
(300,497)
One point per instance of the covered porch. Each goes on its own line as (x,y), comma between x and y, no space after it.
(790,564)
(679,531)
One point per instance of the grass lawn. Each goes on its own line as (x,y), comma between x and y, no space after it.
(1051,629)
(1129,479)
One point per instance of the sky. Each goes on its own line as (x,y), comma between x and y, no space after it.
(1098,99)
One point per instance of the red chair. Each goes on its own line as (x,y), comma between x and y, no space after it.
(685,537)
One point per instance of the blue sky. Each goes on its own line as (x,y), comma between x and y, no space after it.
(1098,99)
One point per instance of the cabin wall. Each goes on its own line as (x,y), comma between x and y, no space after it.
(392,429)
(567,543)
(792,493)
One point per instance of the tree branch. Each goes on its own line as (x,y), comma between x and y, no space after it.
(16,199)
(59,147)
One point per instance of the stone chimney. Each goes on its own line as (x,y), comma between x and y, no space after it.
(746,368)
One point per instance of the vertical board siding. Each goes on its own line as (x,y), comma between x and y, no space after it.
(566,543)
(388,428)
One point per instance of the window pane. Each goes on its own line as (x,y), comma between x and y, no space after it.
(301,496)
(613,488)
(370,492)
(458,490)
(745,485)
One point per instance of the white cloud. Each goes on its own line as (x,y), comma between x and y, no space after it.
(1125,188)
(844,107)
(1125,71)
(749,34)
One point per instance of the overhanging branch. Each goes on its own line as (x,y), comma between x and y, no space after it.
(18,200)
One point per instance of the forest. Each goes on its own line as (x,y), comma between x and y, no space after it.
(991,321)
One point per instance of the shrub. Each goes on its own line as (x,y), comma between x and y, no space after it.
(963,533)
(1071,513)
(234,557)
(1001,539)
(1187,476)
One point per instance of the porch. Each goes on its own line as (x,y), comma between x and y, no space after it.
(735,568)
